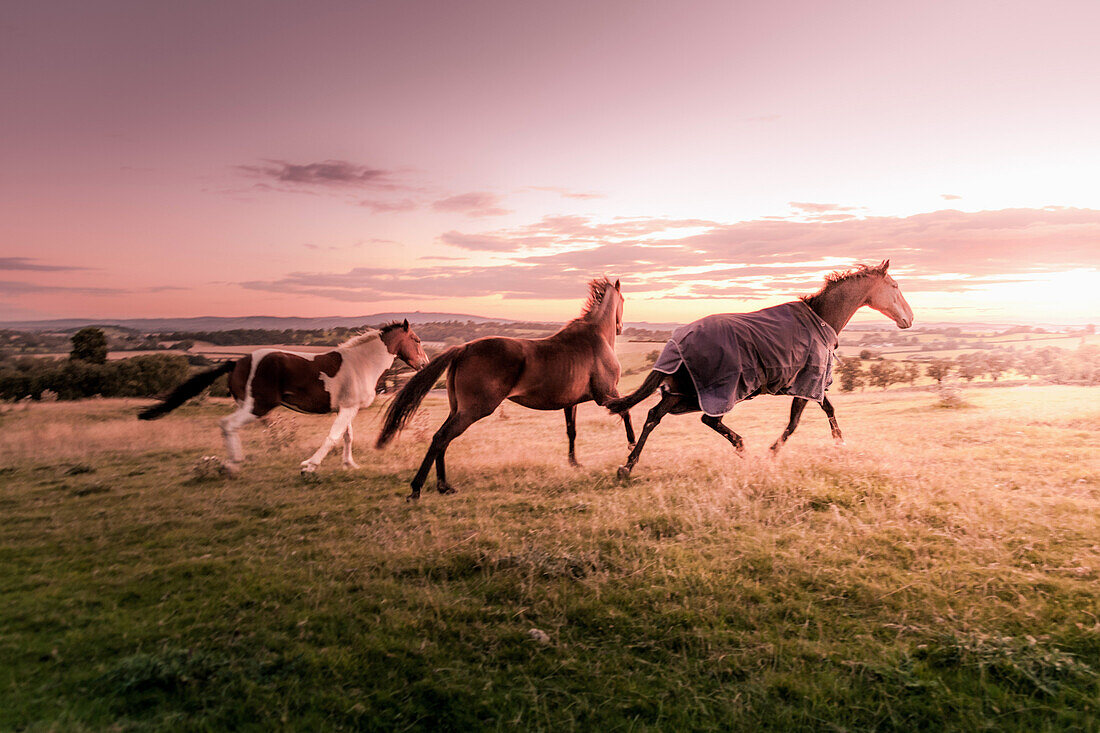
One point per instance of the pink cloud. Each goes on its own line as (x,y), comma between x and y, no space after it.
(477,203)
(8,287)
(382,206)
(818,208)
(567,193)
(328,173)
(482,242)
(33,264)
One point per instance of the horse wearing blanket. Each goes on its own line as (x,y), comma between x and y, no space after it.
(343,380)
(714,363)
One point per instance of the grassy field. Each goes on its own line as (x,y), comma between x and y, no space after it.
(941,572)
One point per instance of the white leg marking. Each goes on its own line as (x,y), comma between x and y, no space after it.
(342,423)
(349,462)
(230,425)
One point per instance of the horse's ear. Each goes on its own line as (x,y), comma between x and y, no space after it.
(617,285)
(885,265)
(405,325)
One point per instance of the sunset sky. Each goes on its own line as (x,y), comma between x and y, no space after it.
(346,158)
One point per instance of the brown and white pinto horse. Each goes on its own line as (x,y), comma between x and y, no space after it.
(344,380)
(842,295)
(574,365)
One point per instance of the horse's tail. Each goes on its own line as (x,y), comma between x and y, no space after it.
(649,386)
(410,396)
(186,391)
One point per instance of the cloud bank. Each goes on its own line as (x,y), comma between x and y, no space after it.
(942,251)
(30,264)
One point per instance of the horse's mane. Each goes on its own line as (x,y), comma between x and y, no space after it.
(360,338)
(837,277)
(596,290)
(369,334)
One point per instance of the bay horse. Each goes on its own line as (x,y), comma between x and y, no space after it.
(744,355)
(574,365)
(343,380)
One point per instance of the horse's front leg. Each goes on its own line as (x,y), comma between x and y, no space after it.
(797,406)
(830,413)
(571,433)
(630,441)
(339,426)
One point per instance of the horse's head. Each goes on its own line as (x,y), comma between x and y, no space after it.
(403,343)
(885,297)
(618,308)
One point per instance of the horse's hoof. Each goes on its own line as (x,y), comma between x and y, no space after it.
(445,489)
(631,446)
(351,466)
(412,498)
(573,463)
(623,473)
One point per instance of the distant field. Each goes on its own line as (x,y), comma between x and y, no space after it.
(941,572)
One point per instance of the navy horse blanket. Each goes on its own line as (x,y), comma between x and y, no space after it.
(786,349)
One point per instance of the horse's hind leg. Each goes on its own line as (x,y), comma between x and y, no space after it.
(662,408)
(339,427)
(716,424)
(230,425)
(455,424)
(613,394)
(571,433)
(797,406)
(434,452)
(349,462)
(830,413)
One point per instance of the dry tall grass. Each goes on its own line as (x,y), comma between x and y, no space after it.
(953,551)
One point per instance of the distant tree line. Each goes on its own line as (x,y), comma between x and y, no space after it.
(248,336)
(1060,366)
(448,332)
(646,334)
(437,331)
(17,343)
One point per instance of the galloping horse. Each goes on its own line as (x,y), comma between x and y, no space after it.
(344,380)
(719,360)
(576,364)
